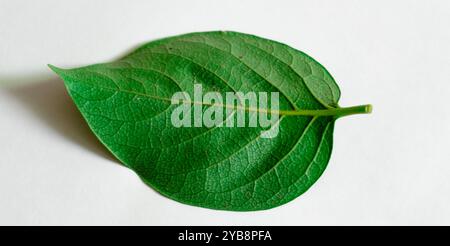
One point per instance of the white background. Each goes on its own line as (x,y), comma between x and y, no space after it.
(388,168)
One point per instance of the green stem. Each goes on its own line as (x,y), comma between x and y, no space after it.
(337,112)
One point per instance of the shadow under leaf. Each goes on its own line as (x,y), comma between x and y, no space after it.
(49,101)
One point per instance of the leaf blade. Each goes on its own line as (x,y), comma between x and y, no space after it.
(220,168)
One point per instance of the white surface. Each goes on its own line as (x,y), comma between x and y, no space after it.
(391,167)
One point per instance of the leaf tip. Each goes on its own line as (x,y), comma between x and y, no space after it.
(55,69)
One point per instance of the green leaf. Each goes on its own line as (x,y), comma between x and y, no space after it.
(127,104)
